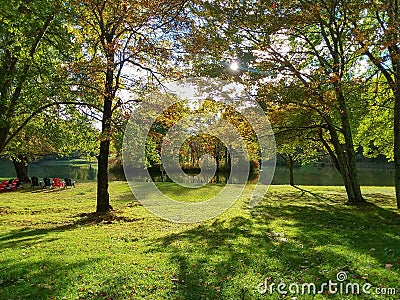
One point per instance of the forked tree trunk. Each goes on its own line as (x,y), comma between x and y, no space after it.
(346,155)
(21,167)
(344,160)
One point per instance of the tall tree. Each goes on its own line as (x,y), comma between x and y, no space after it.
(376,28)
(115,34)
(33,45)
(302,49)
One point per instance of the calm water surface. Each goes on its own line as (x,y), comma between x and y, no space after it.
(306,175)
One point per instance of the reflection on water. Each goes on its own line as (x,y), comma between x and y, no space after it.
(51,169)
(307,175)
(312,175)
(76,172)
(220,177)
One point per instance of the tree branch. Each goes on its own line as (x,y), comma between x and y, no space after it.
(41,109)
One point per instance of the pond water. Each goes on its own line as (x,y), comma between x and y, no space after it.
(306,175)
(79,169)
(328,175)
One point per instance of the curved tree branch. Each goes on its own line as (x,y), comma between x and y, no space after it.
(41,109)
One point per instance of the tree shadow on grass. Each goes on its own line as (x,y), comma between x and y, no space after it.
(47,278)
(288,236)
(51,273)
(43,279)
(29,236)
(306,242)
(315,195)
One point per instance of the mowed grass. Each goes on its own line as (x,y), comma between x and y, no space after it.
(53,247)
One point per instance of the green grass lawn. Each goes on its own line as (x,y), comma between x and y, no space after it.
(52,247)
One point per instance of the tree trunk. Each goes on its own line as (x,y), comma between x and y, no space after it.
(21,167)
(3,136)
(347,156)
(394,51)
(217,156)
(226,158)
(330,151)
(289,163)
(290,167)
(342,157)
(340,160)
(396,131)
(103,197)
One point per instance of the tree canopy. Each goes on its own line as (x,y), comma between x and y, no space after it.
(326,73)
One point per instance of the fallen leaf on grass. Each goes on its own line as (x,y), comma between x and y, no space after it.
(388,265)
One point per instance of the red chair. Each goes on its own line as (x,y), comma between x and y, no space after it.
(58,183)
(3,186)
(13,185)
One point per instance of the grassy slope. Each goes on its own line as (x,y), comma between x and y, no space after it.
(49,247)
